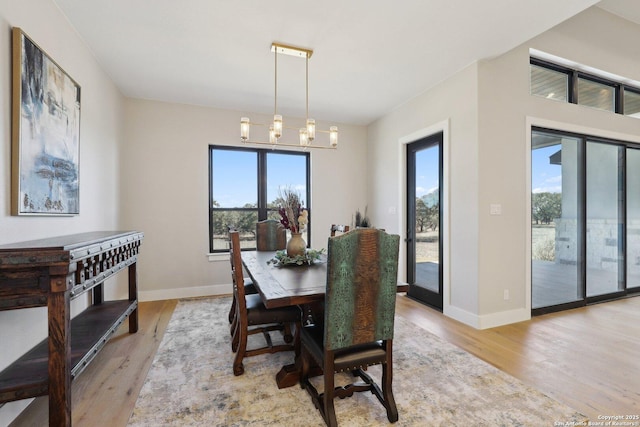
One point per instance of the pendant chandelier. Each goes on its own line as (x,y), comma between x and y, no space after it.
(307,134)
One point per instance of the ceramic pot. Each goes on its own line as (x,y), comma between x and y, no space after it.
(296,245)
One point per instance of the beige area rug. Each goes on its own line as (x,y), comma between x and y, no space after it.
(191,383)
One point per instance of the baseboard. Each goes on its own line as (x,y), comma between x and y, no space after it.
(461,315)
(504,318)
(177,293)
(486,321)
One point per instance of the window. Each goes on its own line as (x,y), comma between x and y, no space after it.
(631,102)
(244,187)
(596,94)
(592,89)
(549,83)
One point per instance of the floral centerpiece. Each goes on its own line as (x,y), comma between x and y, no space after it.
(294,218)
(281,259)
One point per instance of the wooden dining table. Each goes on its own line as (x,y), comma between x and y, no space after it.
(281,286)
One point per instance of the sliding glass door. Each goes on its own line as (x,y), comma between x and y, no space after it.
(585,211)
(555,215)
(605,218)
(633,219)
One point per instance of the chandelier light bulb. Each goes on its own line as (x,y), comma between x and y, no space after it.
(304,137)
(277,125)
(311,129)
(245,124)
(333,136)
(272,135)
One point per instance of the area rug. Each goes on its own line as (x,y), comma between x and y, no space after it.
(191,383)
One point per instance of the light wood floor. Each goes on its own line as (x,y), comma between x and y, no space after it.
(588,358)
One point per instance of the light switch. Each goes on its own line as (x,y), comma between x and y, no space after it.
(495,209)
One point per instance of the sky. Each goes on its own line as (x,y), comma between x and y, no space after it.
(427,175)
(545,177)
(235,176)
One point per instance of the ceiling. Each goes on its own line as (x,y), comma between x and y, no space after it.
(369,57)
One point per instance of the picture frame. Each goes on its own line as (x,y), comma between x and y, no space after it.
(45,134)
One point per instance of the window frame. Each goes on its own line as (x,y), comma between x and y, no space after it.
(262,202)
(574,75)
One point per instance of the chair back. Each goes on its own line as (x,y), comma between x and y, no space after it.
(270,235)
(362,277)
(236,269)
(337,228)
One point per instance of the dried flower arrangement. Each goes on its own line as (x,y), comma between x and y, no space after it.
(362,220)
(293,216)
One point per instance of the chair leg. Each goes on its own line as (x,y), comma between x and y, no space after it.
(233,326)
(232,309)
(241,336)
(235,338)
(387,381)
(329,411)
(387,393)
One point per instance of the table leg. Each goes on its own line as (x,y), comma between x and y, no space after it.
(59,359)
(289,375)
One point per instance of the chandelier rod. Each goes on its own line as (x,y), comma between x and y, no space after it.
(275,98)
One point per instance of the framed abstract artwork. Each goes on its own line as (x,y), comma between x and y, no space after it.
(45,152)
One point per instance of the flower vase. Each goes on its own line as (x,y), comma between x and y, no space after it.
(296,245)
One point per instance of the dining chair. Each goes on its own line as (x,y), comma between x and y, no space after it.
(336,228)
(270,235)
(249,288)
(357,332)
(252,317)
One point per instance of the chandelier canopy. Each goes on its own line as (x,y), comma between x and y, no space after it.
(307,134)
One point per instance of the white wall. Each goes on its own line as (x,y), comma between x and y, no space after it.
(490,114)
(100,139)
(165,192)
(451,107)
(593,38)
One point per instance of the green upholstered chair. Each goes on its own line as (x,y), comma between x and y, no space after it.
(359,313)
(252,317)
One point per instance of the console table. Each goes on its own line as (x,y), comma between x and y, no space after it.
(50,273)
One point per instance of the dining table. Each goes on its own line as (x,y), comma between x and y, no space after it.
(290,285)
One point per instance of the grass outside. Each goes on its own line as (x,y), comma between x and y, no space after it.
(543,241)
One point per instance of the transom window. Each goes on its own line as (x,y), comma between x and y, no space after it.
(567,84)
(244,187)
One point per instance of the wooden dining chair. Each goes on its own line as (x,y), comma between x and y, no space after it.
(336,228)
(252,317)
(270,235)
(362,268)
(249,288)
